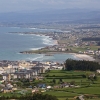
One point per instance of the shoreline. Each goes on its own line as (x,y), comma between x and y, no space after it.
(55,42)
(84,57)
(76,55)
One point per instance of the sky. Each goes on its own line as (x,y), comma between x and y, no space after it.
(31,5)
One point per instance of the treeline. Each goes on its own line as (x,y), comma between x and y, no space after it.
(91,39)
(81,65)
(99,43)
(30,97)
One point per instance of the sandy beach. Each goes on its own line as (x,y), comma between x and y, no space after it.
(84,57)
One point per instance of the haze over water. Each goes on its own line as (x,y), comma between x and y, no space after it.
(12,43)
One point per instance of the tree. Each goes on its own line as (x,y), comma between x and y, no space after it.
(60,80)
(54,81)
(19,84)
(99,43)
(43,97)
(81,65)
(95,78)
(72,83)
(30,97)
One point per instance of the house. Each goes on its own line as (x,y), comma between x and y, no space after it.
(60,67)
(54,66)
(35,91)
(1,70)
(92,75)
(63,49)
(2,85)
(41,85)
(39,78)
(14,89)
(98,71)
(39,69)
(6,90)
(49,87)
(28,73)
(6,77)
(24,64)
(46,66)
(19,75)
(9,86)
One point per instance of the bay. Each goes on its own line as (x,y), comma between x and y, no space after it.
(12,43)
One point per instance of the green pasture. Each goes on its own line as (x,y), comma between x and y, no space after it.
(86,86)
(66,76)
(61,94)
(84,48)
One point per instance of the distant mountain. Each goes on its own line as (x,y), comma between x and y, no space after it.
(65,15)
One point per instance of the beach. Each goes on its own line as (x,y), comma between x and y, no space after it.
(84,57)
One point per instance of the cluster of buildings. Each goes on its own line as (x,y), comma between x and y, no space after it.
(10,70)
(14,70)
(79,36)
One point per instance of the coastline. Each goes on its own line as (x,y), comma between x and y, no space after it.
(76,55)
(83,57)
(33,51)
(55,42)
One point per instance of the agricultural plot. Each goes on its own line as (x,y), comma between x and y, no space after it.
(82,85)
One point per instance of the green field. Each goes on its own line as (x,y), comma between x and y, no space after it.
(84,48)
(86,86)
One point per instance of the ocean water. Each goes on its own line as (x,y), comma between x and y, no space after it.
(12,43)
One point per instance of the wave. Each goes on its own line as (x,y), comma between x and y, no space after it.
(39,58)
(47,41)
(32,28)
(45,29)
(14,27)
(36,48)
(21,34)
(38,35)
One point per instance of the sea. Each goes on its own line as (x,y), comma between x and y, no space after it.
(12,43)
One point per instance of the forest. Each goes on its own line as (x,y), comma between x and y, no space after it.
(36,96)
(81,65)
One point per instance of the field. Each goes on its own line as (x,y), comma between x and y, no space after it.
(85,86)
(84,48)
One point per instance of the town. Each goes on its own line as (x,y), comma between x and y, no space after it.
(25,77)
(69,79)
(49,49)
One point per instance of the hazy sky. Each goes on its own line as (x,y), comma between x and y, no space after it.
(27,5)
